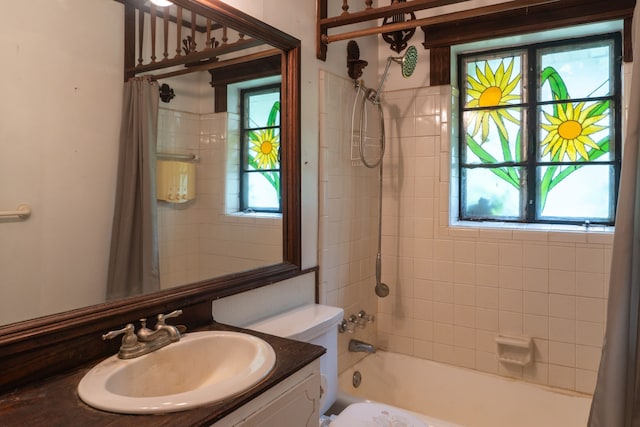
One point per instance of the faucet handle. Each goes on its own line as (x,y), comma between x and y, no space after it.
(345,326)
(128,340)
(364,318)
(163,317)
(112,334)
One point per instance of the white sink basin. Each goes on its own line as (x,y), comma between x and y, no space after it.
(201,368)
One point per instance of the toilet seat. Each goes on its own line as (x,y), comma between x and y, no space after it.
(369,414)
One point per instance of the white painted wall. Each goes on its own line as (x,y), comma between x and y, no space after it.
(59,123)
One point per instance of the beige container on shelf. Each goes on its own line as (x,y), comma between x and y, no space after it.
(175,181)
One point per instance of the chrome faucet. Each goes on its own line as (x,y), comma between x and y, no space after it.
(146,340)
(361,346)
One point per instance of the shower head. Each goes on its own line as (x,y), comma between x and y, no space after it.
(408,61)
(381,289)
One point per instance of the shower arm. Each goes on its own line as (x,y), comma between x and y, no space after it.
(376,95)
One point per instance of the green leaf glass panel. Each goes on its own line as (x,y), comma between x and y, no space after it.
(582,71)
(583,194)
(259,110)
(502,141)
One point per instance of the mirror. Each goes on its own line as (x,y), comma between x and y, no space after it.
(203,230)
(63,92)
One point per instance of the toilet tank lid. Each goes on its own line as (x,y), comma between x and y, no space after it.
(301,323)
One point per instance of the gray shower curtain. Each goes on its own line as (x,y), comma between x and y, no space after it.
(616,401)
(133,259)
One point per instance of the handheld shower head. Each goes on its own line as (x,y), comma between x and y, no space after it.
(381,290)
(408,61)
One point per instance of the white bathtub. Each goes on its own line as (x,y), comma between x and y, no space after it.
(462,396)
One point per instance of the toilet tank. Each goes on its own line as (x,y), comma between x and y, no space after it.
(315,324)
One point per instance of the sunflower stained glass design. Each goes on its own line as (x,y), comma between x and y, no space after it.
(543,152)
(261,169)
(488,88)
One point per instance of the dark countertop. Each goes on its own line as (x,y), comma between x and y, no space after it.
(54,401)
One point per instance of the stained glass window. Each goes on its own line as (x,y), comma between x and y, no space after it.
(540,132)
(260,154)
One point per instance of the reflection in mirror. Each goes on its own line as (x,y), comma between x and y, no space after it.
(204,231)
(57,259)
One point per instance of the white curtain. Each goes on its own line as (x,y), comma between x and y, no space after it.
(134,259)
(616,401)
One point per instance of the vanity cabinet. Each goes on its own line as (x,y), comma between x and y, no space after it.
(295,402)
(288,397)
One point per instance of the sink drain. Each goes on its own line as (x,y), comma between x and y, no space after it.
(357,379)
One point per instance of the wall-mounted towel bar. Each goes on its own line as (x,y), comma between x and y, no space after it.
(23,211)
(181,157)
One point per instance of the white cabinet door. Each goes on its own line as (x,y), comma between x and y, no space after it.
(295,402)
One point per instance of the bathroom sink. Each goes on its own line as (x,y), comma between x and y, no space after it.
(201,368)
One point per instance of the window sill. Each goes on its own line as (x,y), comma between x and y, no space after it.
(254,215)
(258,214)
(562,233)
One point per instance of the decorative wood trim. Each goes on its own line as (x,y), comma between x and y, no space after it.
(290,158)
(438,19)
(439,37)
(370,14)
(521,21)
(195,57)
(384,12)
(220,98)
(239,21)
(627,40)
(440,66)
(129,40)
(321,30)
(248,70)
(160,13)
(315,270)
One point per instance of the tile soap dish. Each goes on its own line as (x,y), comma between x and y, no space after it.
(515,350)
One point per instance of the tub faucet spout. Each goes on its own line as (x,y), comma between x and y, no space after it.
(360,346)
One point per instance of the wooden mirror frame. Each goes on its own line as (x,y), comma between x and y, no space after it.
(41,347)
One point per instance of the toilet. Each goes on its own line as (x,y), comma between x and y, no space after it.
(318,324)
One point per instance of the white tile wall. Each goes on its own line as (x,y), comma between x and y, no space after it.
(464,285)
(546,284)
(348,204)
(199,239)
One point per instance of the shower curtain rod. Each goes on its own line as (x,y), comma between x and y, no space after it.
(213,65)
(440,19)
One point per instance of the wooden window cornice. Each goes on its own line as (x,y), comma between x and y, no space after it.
(439,38)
